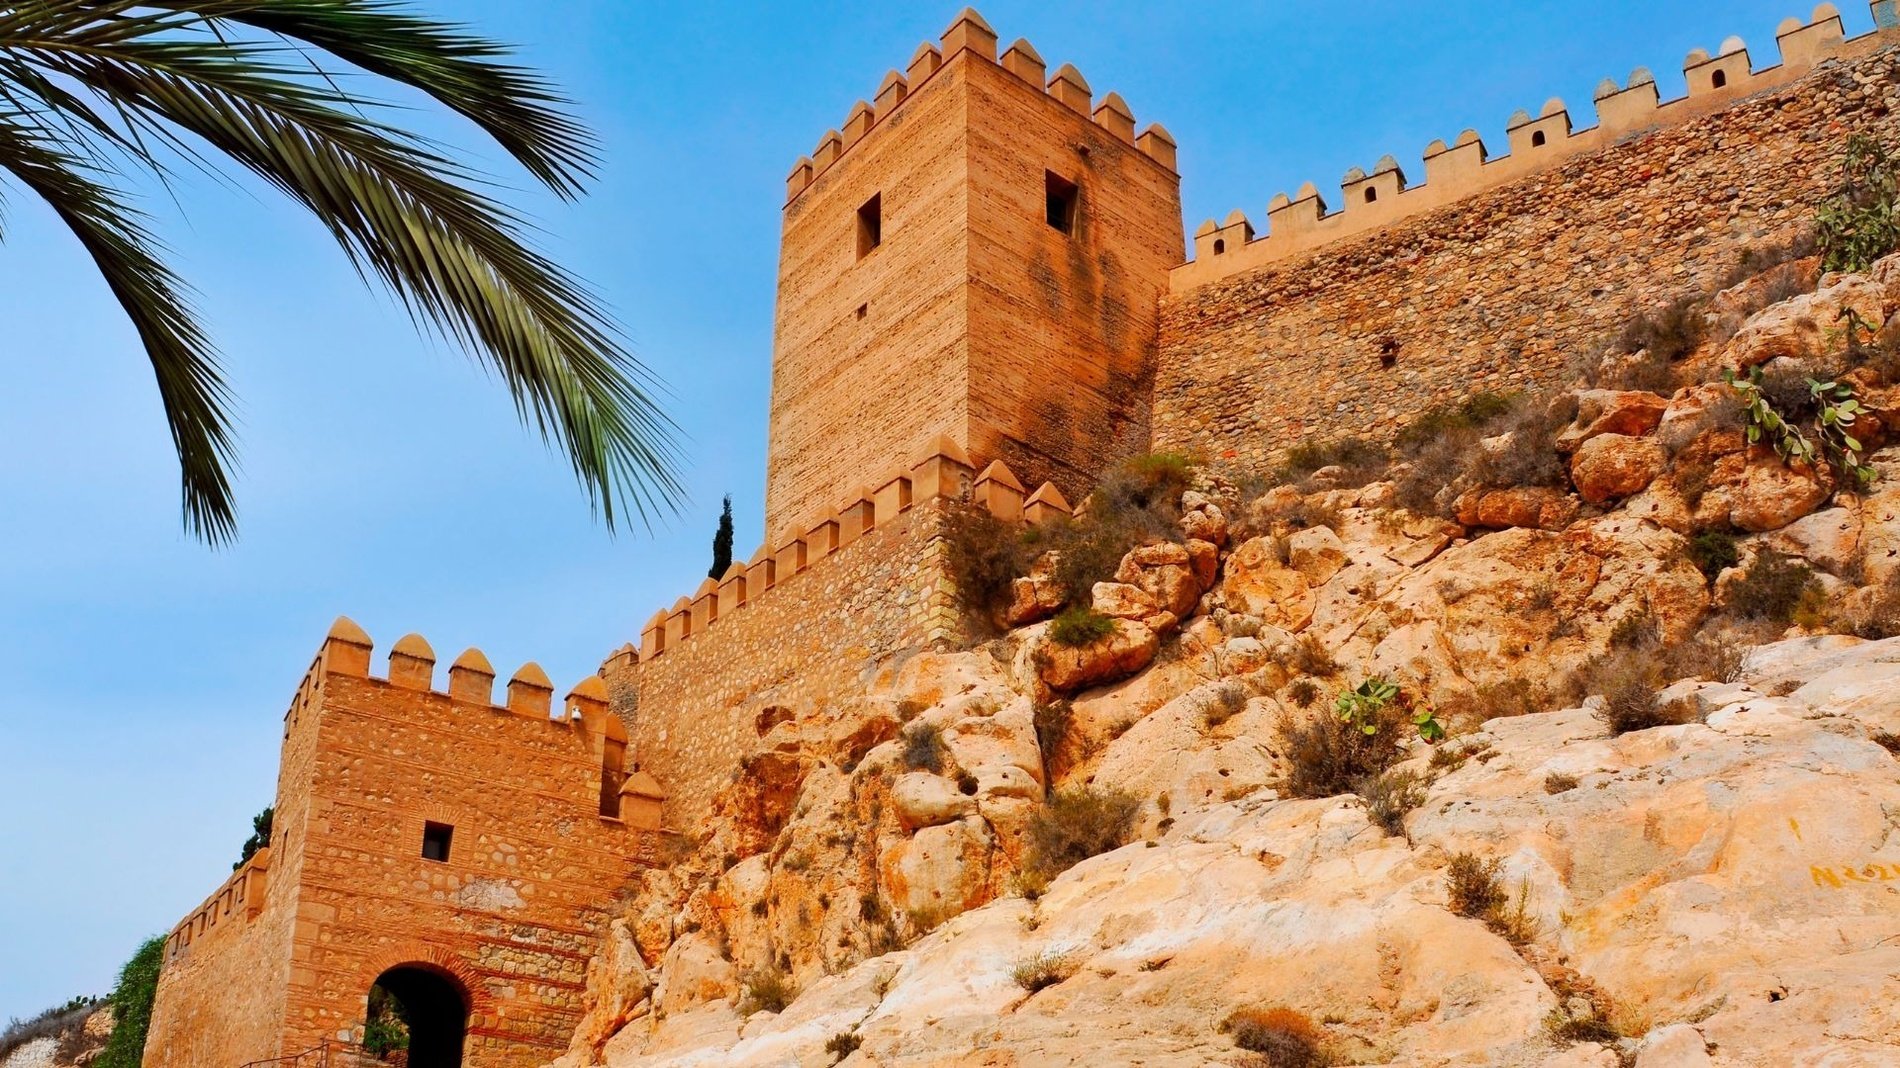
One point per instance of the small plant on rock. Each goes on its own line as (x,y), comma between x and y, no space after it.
(1390,796)
(1713,552)
(766,990)
(1557,783)
(1771,588)
(1078,626)
(1043,970)
(1078,823)
(1472,886)
(843,1044)
(1835,410)
(1052,723)
(1363,707)
(1282,1037)
(924,747)
(1860,223)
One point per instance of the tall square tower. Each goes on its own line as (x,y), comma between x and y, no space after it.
(979,253)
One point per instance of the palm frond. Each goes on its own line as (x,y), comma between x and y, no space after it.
(186,367)
(117,72)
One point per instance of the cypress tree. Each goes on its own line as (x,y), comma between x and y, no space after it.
(722,543)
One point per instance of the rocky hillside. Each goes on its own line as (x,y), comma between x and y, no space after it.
(1562,732)
(59,1038)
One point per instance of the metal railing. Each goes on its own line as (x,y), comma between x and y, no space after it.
(329,1054)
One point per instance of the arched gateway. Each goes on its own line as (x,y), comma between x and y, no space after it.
(451,855)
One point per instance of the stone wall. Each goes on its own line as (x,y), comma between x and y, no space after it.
(546,828)
(1504,290)
(971,316)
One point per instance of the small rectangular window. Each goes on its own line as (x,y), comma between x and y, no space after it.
(870,225)
(1062,196)
(435,841)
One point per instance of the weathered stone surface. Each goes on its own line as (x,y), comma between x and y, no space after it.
(943,868)
(1166,572)
(926,800)
(1316,553)
(1768,494)
(1536,507)
(1632,413)
(1256,583)
(1611,466)
(1829,539)
(1123,601)
(1067,668)
(1801,328)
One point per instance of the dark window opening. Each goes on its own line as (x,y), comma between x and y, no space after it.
(1388,353)
(863,310)
(1719,79)
(1220,246)
(1538,139)
(435,841)
(1062,196)
(870,225)
(1371,195)
(613,758)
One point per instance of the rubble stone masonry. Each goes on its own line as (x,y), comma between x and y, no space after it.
(1503,290)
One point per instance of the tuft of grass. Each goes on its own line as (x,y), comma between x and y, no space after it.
(1043,970)
(1223,704)
(1390,796)
(1052,729)
(1561,1026)
(843,1044)
(1630,681)
(766,990)
(1282,1037)
(1557,783)
(1328,756)
(1303,692)
(924,747)
(1079,625)
(1311,657)
(1079,823)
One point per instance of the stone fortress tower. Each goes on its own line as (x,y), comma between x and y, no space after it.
(979,254)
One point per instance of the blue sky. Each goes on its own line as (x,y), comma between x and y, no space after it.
(143,677)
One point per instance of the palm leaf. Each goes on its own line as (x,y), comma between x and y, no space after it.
(122,78)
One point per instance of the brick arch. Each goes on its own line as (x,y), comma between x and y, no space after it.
(435,958)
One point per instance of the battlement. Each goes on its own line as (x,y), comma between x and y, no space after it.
(942,471)
(235,903)
(1383,196)
(969,35)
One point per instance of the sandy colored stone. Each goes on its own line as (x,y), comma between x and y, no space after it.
(926,800)
(1632,413)
(1769,494)
(1611,466)
(1258,584)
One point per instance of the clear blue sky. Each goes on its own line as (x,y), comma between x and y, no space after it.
(142,677)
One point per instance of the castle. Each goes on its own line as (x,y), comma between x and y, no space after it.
(983,299)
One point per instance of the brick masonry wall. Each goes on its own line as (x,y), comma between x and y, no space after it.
(800,644)
(1504,290)
(512,915)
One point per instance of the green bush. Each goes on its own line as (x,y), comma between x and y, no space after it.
(1134,503)
(1079,823)
(1078,625)
(984,556)
(1860,222)
(1713,552)
(260,836)
(131,1000)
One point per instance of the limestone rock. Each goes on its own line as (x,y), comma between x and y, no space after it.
(1066,669)
(1123,601)
(1533,507)
(1829,539)
(1632,413)
(943,868)
(1258,584)
(1035,596)
(1799,328)
(925,800)
(1165,571)
(1768,494)
(1611,466)
(1316,553)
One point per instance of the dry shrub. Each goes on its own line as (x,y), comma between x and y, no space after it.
(984,556)
(1760,259)
(1879,615)
(843,1044)
(1441,449)
(1771,588)
(1079,823)
(1052,722)
(1311,657)
(63,1022)
(1645,354)
(1472,886)
(1223,703)
(1713,552)
(1134,503)
(1514,696)
(1043,970)
(766,990)
(1302,692)
(924,747)
(1390,796)
(1629,681)
(1282,1037)
(1557,783)
(1328,756)
(1360,461)
(1531,458)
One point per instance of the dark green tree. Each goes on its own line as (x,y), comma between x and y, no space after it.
(722,543)
(95,93)
(132,999)
(260,835)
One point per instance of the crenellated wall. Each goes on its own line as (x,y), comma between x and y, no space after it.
(547,822)
(1370,201)
(804,621)
(1508,289)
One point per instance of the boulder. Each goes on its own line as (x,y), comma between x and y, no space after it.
(925,800)
(1632,413)
(1166,572)
(1035,596)
(942,870)
(1317,554)
(1126,650)
(1769,494)
(1123,601)
(1828,539)
(1807,325)
(1203,520)
(1611,466)
(1257,584)
(1530,507)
